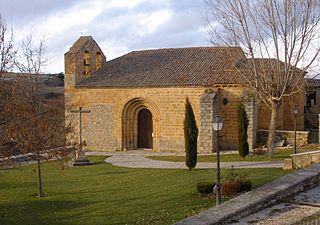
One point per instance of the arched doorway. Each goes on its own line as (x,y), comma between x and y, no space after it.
(140,125)
(145,129)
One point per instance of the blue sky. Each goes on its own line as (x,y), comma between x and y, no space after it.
(119,26)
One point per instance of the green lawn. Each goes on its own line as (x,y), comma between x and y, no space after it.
(105,194)
(280,154)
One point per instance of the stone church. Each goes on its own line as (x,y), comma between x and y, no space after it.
(137,101)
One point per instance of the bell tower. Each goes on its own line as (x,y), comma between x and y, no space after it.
(82,60)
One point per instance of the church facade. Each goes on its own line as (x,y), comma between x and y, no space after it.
(137,101)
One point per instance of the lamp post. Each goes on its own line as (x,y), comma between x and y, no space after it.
(217,124)
(295,113)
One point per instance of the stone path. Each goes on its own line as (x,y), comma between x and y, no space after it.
(138,159)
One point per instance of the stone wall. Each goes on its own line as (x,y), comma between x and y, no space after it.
(207,114)
(285,120)
(249,101)
(224,102)
(288,136)
(104,126)
(101,121)
(229,99)
(107,107)
(302,160)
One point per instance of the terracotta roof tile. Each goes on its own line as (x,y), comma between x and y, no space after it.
(202,66)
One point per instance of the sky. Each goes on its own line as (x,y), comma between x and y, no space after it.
(118,26)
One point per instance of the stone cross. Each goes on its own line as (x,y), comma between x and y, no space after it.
(80,111)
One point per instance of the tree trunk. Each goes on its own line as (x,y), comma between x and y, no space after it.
(272,130)
(40,194)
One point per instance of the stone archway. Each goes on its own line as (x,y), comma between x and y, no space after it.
(140,127)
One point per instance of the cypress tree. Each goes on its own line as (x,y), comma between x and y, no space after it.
(190,136)
(243,123)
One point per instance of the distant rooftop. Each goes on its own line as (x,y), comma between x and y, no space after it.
(312,82)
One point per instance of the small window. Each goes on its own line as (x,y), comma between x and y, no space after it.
(86,58)
(86,72)
(86,63)
(311,99)
(98,60)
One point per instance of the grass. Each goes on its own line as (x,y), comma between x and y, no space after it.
(280,154)
(105,194)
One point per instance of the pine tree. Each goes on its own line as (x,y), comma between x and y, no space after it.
(243,123)
(190,136)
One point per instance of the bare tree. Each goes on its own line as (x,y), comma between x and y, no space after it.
(35,122)
(277,37)
(7,52)
(32,59)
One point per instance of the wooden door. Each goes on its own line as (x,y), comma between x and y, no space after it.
(145,129)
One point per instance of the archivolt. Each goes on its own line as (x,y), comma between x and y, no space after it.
(130,122)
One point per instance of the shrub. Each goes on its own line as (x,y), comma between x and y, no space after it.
(190,136)
(245,185)
(205,188)
(232,176)
(230,188)
(242,129)
(234,183)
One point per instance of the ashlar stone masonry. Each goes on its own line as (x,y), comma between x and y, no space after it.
(138,100)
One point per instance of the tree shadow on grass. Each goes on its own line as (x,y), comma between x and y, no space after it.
(40,212)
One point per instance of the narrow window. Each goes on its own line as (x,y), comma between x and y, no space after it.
(86,63)
(98,60)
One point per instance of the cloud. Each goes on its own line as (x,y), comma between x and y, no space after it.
(20,11)
(117,26)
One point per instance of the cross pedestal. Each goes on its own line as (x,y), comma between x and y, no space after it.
(80,158)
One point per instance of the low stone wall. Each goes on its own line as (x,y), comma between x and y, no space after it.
(258,198)
(302,160)
(287,135)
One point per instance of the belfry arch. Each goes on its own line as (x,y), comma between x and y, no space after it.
(140,125)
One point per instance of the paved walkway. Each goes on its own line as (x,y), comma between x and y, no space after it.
(303,205)
(138,159)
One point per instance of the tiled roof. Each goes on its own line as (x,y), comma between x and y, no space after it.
(311,82)
(201,66)
(267,66)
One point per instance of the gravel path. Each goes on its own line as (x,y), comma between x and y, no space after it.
(138,159)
